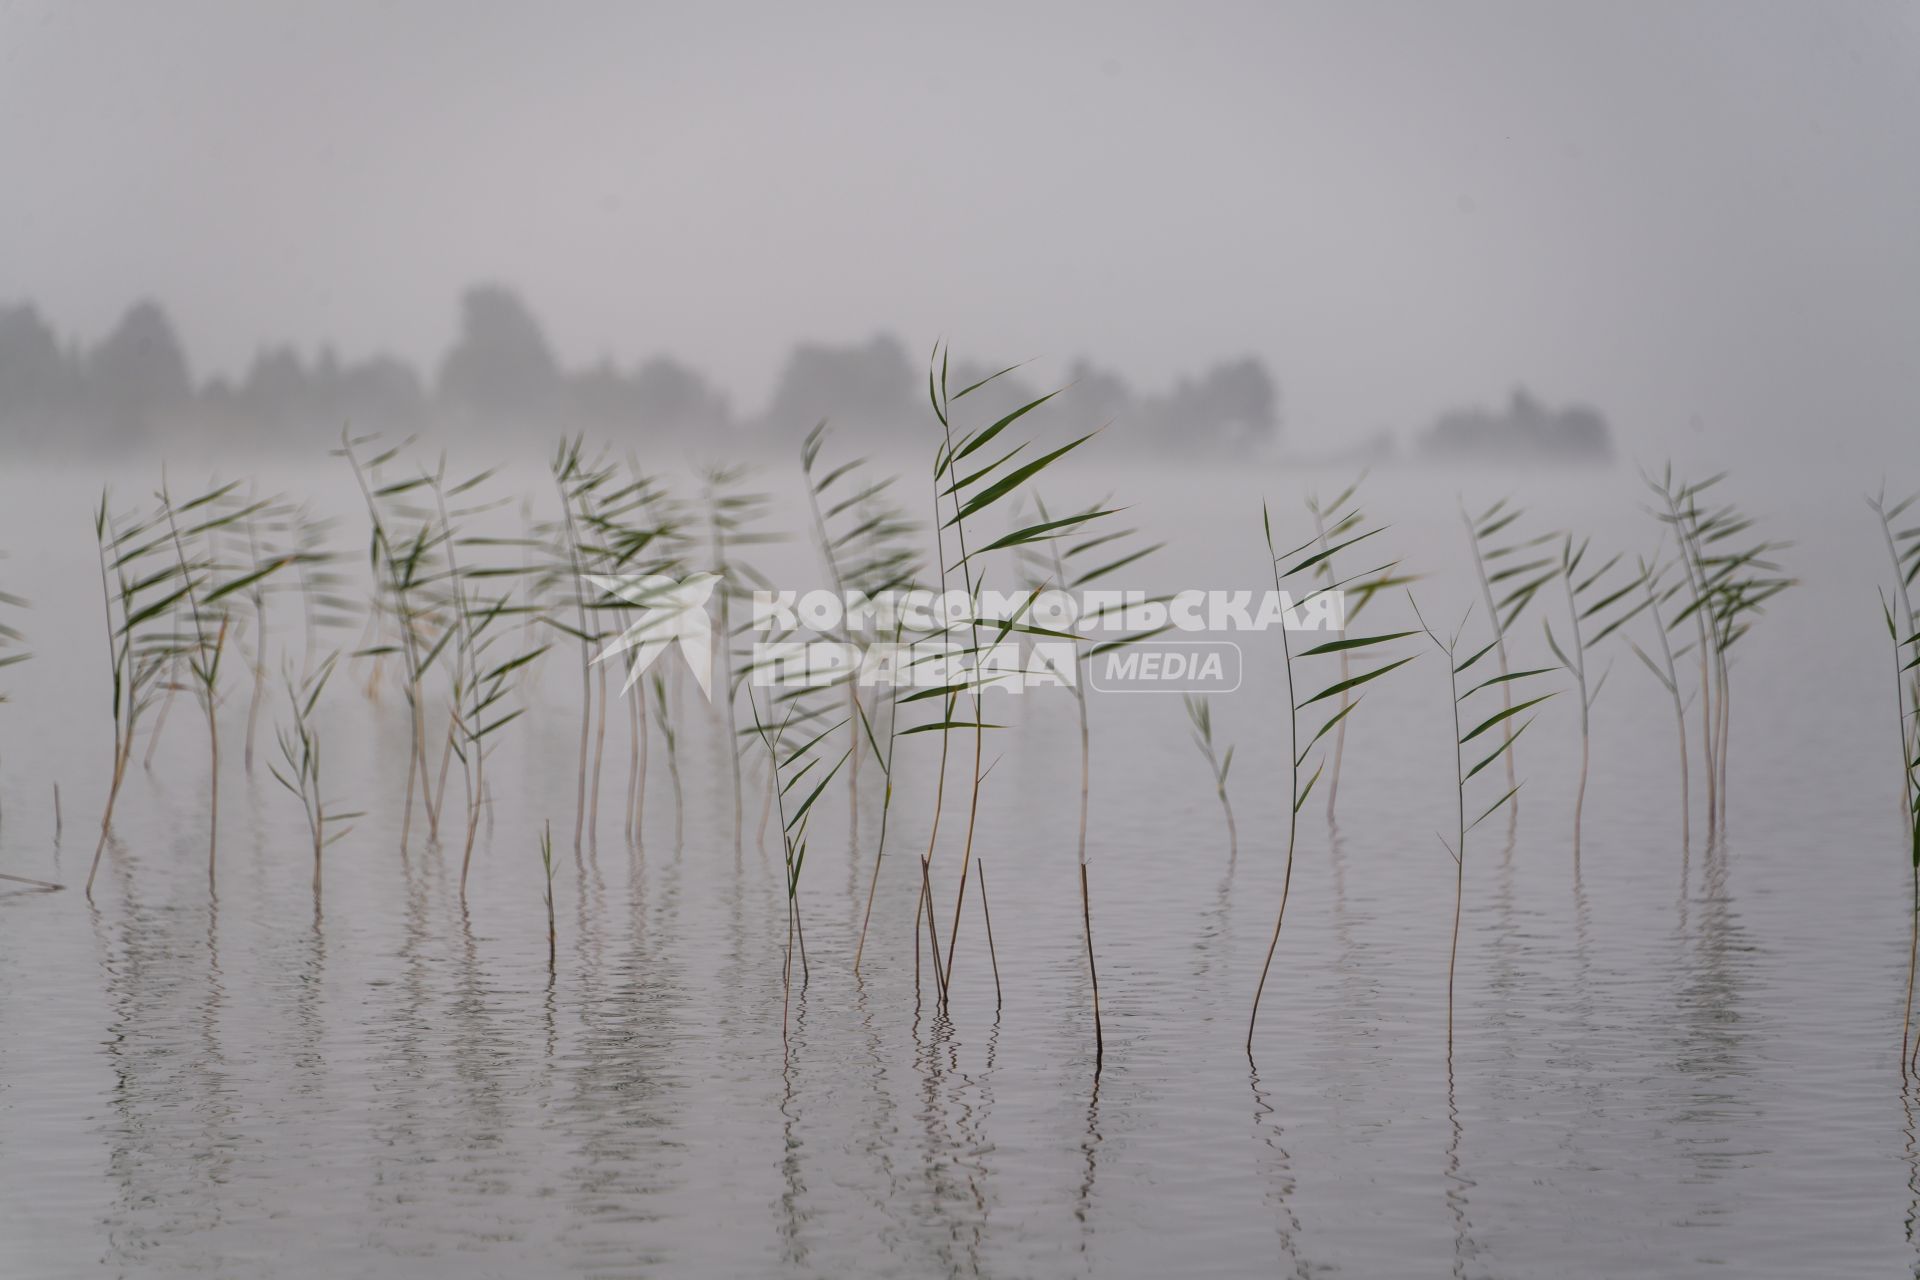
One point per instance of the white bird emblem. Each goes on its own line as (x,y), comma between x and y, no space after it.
(671,610)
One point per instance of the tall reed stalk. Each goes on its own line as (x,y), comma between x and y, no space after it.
(1357,599)
(794,766)
(1613,608)
(208,613)
(971,494)
(1896,607)
(1071,572)
(735,519)
(546,866)
(663,716)
(300,754)
(138,601)
(862,541)
(1462,774)
(480,679)
(1728,586)
(1201,716)
(403,551)
(576,479)
(1513,566)
(637,531)
(1666,671)
(1297,570)
(13,648)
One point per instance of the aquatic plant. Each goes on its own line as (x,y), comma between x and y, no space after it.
(1201,716)
(664,718)
(792,766)
(1358,597)
(986,914)
(862,538)
(972,495)
(1896,607)
(138,600)
(1505,565)
(1666,671)
(12,643)
(1903,555)
(735,519)
(884,757)
(576,479)
(1308,588)
(13,651)
(1462,774)
(300,754)
(256,529)
(480,680)
(1728,586)
(636,532)
(1908,710)
(1064,571)
(405,545)
(1612,610)
(618,532)
(208,612)
(546,866)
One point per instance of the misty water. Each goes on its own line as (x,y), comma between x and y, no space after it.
(1669,1059)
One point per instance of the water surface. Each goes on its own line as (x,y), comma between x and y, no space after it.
(1670,1060)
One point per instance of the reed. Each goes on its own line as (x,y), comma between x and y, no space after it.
(1072,572)
(406,542)
(619,532)
(1896,607)
(735,519)
(1200,714)
(138,598)
(1903,555)
(577,479)
(972,495)
(209,611)
(1594,601)
(1361,594)
(1345,528)
(481,680)
(1728,586)
(1462,774)
(13,642)
(636,534)
(1515,567)
(865,541)
(986,912)
(1666,671)
(13,651)
(883,756)
(793,766)
(1909,725)
(546,866)
(300,755)
(262,524)
(664,718)
(862,539)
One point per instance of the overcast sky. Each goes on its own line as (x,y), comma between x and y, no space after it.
(1704,219)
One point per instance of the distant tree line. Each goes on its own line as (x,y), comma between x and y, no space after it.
(135,388)
(1525,431)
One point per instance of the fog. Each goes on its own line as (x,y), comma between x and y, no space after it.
(1695,220)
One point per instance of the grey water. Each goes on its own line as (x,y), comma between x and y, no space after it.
(1670,1059)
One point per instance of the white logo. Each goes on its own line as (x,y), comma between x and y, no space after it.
(670,611)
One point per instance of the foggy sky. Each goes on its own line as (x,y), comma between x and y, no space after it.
(1703,219)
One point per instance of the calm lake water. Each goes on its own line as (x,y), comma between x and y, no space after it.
(1669,1060)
